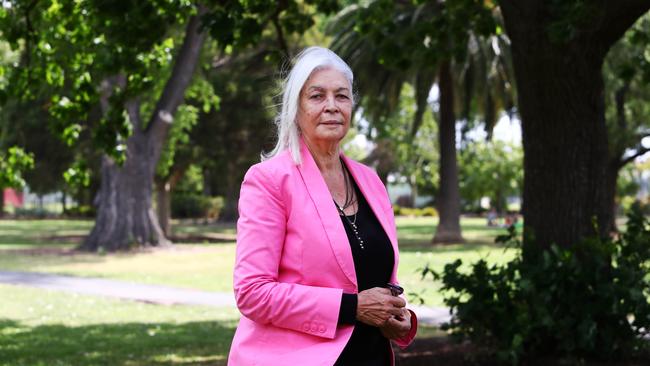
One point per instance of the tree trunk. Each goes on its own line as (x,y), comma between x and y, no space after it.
(163,205)
(231,194)
(64,197)
(125,217)
(613,169)
(561,102)
(448,200)
(164,188)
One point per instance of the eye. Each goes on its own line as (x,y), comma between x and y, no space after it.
(342,96)
(316,96)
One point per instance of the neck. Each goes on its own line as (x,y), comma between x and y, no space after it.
(326,155)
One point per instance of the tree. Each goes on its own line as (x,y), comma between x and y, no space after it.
(491,169)
(232,137)
(558,49)
(105,76)
(627,77)
(392,43)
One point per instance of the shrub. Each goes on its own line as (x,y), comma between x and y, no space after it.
(397,210)
(84,211)
(32,213)
(429,211)
(192,205)
(586,302)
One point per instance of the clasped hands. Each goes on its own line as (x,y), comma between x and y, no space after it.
(379,308)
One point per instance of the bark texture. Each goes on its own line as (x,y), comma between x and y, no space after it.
(448,200)
(125,217)
(561,103)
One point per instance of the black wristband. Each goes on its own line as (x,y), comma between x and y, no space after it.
(348,309)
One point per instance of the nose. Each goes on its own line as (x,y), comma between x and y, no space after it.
(330,104)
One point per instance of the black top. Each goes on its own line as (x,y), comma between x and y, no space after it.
(373,266)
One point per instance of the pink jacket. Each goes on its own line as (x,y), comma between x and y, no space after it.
(294,261)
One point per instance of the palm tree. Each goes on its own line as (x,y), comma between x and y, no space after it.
(388,54)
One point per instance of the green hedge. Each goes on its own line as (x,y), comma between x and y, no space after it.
(415,212)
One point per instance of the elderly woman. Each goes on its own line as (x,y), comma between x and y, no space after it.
(315,272)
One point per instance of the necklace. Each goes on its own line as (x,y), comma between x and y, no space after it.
(352,224)
(349,201)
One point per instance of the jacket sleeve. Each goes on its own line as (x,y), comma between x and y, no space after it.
(408,339)
(260,296)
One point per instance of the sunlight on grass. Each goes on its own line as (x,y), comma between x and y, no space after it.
(209,266)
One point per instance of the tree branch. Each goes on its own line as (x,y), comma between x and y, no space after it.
(282,5)
(640,151)
(620,96)
(174,91)
(617,17)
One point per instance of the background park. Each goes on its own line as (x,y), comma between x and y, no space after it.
(126,128)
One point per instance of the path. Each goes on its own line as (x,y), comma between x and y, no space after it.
(158,294)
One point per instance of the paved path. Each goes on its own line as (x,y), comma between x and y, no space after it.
(158,294)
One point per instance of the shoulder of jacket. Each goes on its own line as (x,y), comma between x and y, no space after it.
(274,168)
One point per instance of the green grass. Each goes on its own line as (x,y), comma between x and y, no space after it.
(209,266)
(40,327)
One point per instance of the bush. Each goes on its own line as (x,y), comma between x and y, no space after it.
(414,212)
(83,211)
(429,211)
(397,210)
(192,205)
(583,303)
(35,213)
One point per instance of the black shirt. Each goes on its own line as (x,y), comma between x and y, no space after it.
(373,266)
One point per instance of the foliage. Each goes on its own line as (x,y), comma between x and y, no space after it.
(415,158)
(13,164)
(415,212)
(491,169)
(189,205)
(81,211)
(389,43)
(69,48)
(626,73)
(589,301)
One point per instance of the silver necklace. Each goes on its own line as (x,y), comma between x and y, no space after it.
(350,201)
(353,225)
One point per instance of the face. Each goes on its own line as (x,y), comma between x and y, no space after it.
(325,106)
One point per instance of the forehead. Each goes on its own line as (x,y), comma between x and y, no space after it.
(327,78)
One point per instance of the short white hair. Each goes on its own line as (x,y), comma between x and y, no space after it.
(306,62)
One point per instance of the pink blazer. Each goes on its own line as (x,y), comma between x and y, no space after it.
(294,261)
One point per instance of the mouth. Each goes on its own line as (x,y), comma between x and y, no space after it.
(331,123)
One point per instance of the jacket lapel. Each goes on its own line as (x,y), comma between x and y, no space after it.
(329,216)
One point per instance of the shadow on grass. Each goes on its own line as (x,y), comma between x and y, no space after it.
(415,245)
(133,344)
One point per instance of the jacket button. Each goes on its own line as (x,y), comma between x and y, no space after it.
(321,329)
(306,326)
(314,328)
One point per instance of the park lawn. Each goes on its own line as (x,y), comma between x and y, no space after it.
(41,327)
(209,266)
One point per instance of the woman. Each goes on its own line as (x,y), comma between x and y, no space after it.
(316,238)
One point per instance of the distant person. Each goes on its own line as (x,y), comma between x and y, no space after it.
(492,217)
(316,263)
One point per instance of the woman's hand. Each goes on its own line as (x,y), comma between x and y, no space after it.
(376,306)
(397,327)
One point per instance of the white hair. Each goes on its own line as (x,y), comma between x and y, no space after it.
(306,62)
